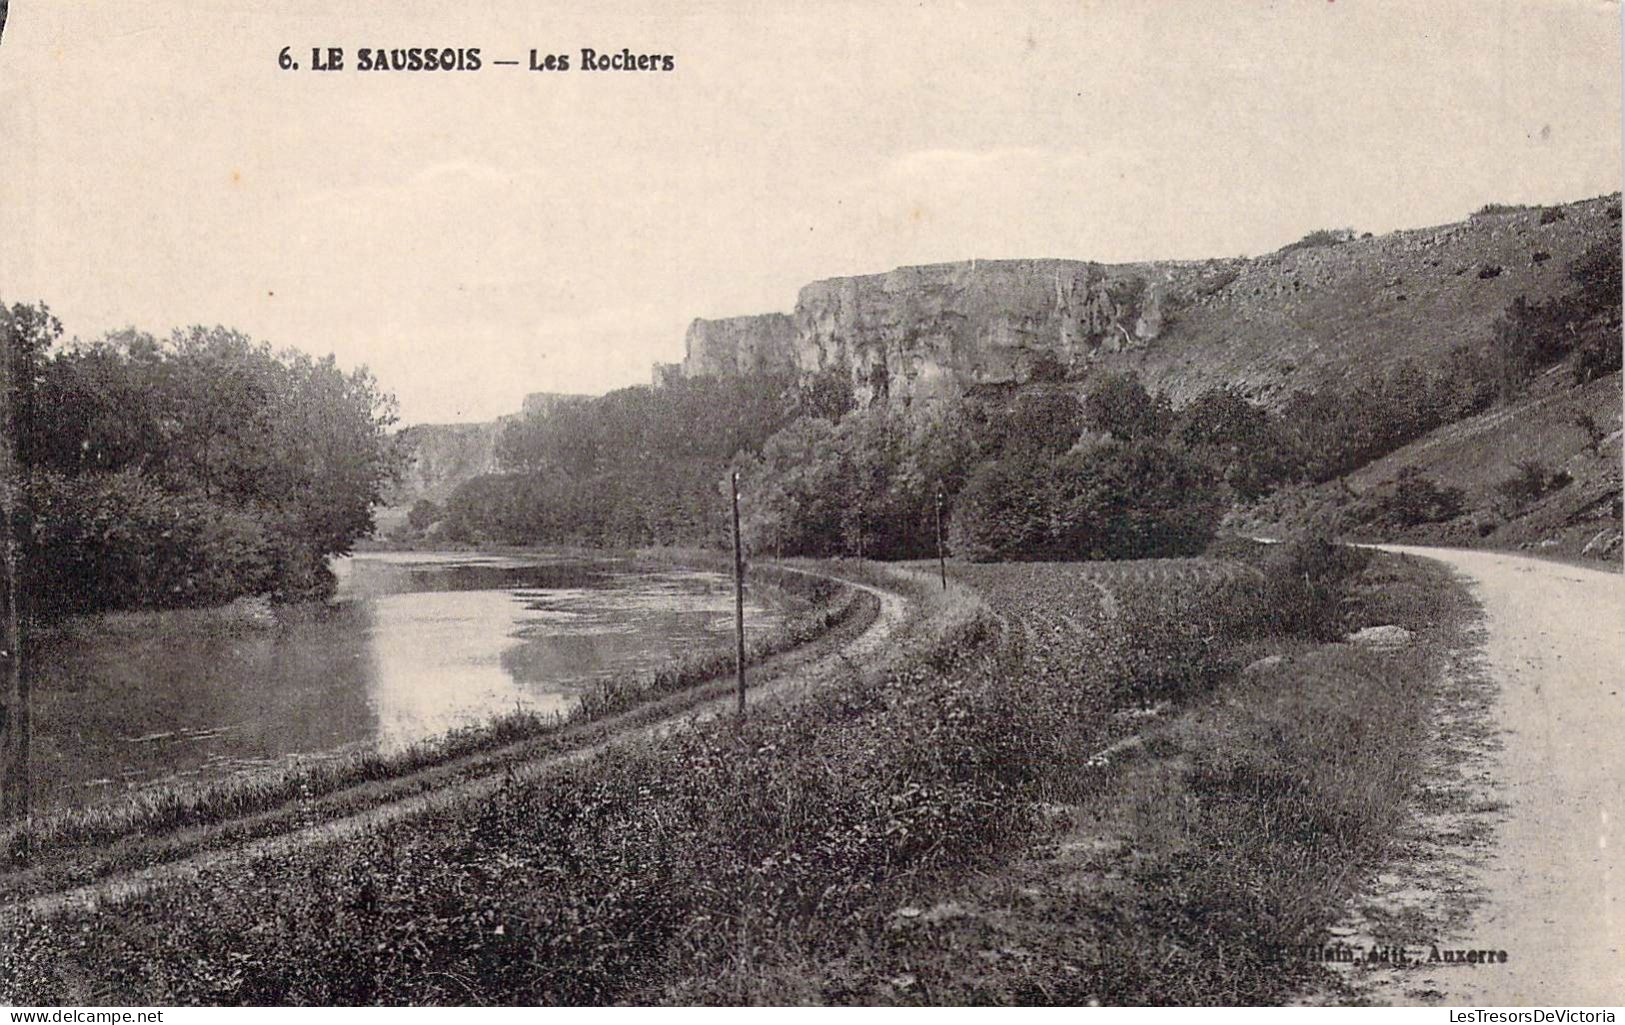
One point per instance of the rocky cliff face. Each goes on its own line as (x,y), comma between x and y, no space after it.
(1302,317)
(739,345)
(445,455)
(935,330)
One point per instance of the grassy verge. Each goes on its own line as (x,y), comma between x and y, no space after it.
(823,603)
(1191,866)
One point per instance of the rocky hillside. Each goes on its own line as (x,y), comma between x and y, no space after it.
(443,456)
(1567,435)
(1307,316)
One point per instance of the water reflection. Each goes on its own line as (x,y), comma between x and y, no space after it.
(416,644)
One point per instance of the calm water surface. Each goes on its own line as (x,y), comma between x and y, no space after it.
(415,644)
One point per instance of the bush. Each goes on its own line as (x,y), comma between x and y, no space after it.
(1532,482)
(1321,237)
(1408,499)
(1597,356)
(1304,584)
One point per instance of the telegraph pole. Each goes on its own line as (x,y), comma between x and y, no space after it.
(14,724)
(942,559)
(739,598)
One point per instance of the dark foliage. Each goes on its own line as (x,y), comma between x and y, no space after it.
(1115,500)
(637,466)
(189,470)
(1533,481)
(1408,499)
(1120,405)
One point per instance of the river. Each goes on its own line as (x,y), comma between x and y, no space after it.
(413,645)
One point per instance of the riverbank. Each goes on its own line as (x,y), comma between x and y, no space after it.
(265,798)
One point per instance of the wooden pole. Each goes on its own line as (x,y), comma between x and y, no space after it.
(942,559)
(739,598)
(14,724)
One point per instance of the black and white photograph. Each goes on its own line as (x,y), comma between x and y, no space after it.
(628,504)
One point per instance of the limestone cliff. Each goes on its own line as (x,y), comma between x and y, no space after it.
(442,456)
(739,345)
(1307,316)
(925,331)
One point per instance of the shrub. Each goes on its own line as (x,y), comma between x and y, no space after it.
(1304,584)
(1594,431)
(1408,499)
(1532,481)
(1552,214)
(1597,356)
(1321,237)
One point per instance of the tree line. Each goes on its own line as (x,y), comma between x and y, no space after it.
(187,470)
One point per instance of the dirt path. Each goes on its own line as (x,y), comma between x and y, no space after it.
(867,649)
(1549,888)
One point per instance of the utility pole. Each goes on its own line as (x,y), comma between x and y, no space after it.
(14,724)
(739,598)
(942,559)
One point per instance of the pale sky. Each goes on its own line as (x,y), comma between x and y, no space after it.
(473,237)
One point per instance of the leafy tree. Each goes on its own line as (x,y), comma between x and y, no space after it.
(423,514)
(260,464)
(1239,439)
(1119,404)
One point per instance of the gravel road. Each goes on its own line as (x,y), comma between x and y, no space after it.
(1553,885)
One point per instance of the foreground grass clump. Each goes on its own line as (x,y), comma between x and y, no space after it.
(819,605)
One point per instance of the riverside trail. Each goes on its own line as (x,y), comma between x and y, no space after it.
(796,676)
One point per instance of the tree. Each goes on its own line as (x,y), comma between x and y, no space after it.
(1237,438)
(423,514)
(1119,404)
(193,469)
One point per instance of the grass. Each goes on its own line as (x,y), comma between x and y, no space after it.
(1477,453)
(940,827)
(170,807)
(1189,870)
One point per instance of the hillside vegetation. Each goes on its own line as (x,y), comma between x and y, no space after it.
(1284,385)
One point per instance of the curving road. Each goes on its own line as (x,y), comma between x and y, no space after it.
(1554,885)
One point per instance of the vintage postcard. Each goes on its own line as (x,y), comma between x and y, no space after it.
(1037,502)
